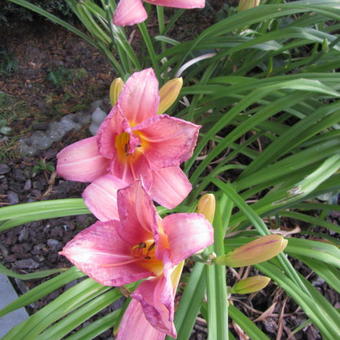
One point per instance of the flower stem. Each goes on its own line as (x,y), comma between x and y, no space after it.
(161,24)
(148,43)
(220,271)
(160,16)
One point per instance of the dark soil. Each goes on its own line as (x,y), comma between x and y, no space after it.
(43,56)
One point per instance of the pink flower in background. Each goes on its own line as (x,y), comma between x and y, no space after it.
(141,245)
(133,143)
(130,12)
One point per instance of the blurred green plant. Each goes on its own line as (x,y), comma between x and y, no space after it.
(8,63)
(42,166)
(11,14)
(62,76)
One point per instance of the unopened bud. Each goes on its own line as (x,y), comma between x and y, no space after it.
(250,285)
(206,206)
(254,252)
(115,88)
(247,4)
(169,93)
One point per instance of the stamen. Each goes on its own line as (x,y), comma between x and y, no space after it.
(126,149)
(145,250)
(122,145)
(129,146)
(152,246)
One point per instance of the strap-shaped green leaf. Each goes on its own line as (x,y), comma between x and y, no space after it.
(30,276)
(27,212)
(246,324)
(67,302)
(42,290)
(190,303)
(73,320)
(96,328)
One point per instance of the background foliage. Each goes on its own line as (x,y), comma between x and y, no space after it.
(10,13)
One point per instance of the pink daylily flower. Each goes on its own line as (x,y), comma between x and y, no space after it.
(141,245)
(133,143)
(134,325)
(130,12)
(134,315)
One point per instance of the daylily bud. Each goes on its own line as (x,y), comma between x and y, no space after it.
(254,252)
(250,285)
(115,88)
(169,93)
(206,206)
(247,4)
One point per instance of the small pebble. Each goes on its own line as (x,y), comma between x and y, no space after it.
(3,250)
(12,197)
(54,244)
(98,115)
(26,264)
(28,185)
(23,235)
(19,175)
(4,169)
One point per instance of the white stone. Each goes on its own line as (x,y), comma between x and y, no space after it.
(93,128)
(40,140)
(8,295)
(98,115)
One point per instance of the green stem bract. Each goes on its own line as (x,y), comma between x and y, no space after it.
(216,280)
(220,222)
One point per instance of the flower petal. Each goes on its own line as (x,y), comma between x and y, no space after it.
(139,98)
(101,197)
(81,161)
(99,252)
(140,170)
(129,12)
(121,170)
(187,234)
(170,141)
(136,168)
(170,186)
(114,124)
(157,299)
(178,3)
(137,214)
(134,324)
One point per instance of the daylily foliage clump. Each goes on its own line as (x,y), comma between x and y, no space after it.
(264,87)
(135,158)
